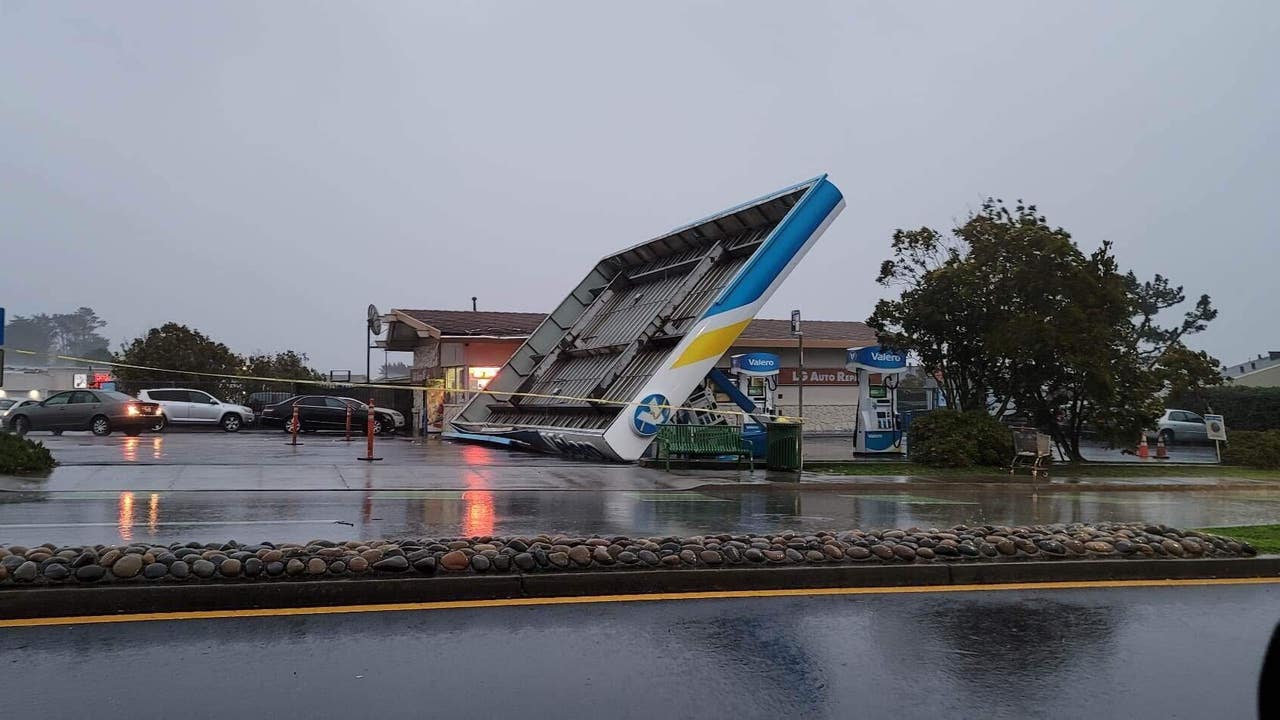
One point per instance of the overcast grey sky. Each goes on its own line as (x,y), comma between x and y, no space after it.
(262,171)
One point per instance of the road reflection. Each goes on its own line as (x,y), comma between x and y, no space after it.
(476,455)
(124,516)
(153,513)
(478,512)
(130,449)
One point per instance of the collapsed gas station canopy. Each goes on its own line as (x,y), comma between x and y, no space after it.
(644,327)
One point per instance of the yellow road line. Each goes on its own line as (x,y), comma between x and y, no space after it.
(654,597)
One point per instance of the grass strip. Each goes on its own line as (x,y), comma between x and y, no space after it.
(1135,470)
(1264,537)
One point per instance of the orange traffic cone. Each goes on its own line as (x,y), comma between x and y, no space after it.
(1162,453)
(1143,452)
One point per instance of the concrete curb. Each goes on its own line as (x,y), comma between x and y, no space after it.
(18,602)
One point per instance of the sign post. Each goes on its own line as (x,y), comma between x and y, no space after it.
(372,327)
(1216,429)
(795,330)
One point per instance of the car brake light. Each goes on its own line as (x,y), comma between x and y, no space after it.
(132,410)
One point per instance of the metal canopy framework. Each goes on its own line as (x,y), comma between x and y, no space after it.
(646,324)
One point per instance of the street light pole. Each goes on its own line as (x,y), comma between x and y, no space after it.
(800,389)
(795,330)
(800,398)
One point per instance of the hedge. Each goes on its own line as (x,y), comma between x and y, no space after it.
(1243,408)
(20,455)
(1253,448)
(948,438)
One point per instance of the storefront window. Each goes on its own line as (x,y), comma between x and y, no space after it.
(455,379)
(480,376)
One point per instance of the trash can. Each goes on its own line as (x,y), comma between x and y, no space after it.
(783,446)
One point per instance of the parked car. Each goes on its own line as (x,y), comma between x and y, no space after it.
(257,401)
(8,405)
(324,412)
(1181,426)
(100,411)
(182,406)
(397,417)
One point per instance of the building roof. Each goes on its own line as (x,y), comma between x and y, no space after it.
(817,333)
(776,333)
(477,323)
(1271,359)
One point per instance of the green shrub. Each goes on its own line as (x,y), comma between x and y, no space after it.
(1253,448)
(948,438)
(20,455)
(1243,408)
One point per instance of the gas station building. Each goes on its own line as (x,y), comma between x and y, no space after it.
(463,349)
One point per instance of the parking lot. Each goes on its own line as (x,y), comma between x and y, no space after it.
(211,486)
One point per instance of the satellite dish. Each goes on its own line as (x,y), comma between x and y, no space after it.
(374,320)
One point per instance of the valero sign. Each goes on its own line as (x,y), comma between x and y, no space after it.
(876,358)
(756,364)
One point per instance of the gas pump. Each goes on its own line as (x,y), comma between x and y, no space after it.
(756,377)
(878,427)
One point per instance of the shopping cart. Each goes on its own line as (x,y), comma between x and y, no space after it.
(1030,450)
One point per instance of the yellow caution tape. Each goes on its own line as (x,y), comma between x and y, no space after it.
(387,386)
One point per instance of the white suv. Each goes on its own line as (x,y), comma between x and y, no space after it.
(196,407)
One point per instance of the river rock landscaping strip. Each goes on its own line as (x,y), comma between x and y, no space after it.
(50,564)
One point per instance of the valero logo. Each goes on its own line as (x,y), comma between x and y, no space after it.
(653,411)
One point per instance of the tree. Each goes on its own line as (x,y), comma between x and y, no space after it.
(287,364)
(73,334)
(77,334)
(174,346)
(1013,314)
(35,333)
(395,370)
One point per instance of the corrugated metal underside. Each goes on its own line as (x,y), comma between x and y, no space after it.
(654,293)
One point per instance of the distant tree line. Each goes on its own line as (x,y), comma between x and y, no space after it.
(170,346)
(73,334)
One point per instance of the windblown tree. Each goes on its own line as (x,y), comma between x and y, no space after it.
(1012,314)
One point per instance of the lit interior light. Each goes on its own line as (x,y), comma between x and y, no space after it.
(480,376)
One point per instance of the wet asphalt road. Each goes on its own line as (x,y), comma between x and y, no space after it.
(251,487)
(208,516)
(1184,652)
